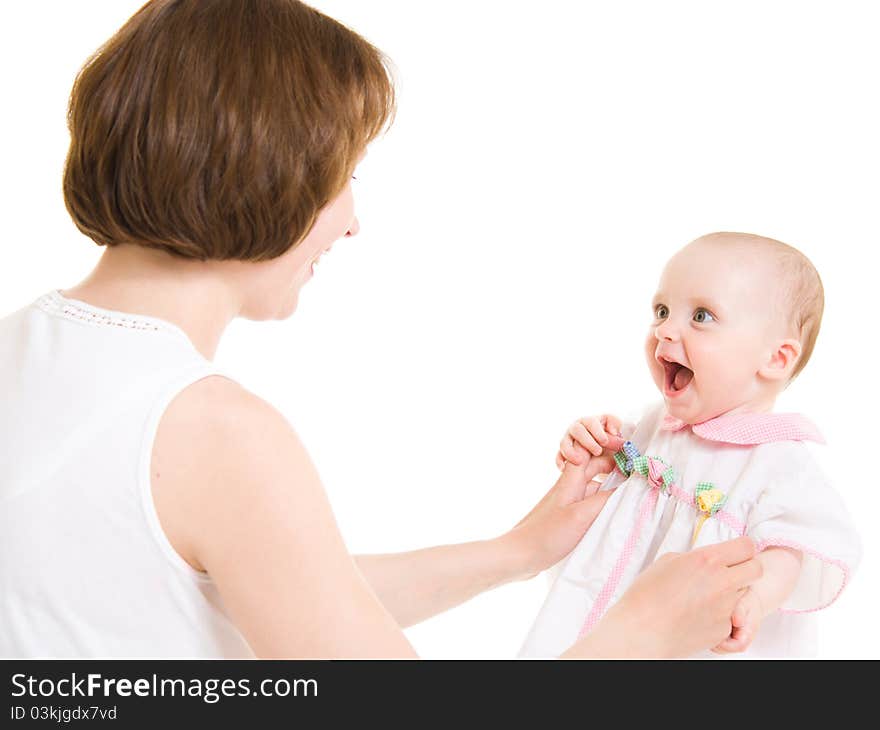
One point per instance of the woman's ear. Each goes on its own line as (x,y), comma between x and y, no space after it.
(782,360)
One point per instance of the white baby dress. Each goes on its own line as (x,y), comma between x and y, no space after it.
(738,474)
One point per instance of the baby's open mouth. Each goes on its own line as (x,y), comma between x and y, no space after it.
(678,377)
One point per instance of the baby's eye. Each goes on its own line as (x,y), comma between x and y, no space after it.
(703,315)
(661,311)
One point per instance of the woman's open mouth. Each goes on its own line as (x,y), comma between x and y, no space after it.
(678,378)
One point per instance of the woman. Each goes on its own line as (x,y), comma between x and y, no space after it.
(162,509)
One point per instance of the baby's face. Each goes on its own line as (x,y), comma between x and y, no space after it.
(715,319)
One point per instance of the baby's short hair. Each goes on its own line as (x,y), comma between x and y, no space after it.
(218,130)
(801,293)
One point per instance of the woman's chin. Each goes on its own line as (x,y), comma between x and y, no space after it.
(277,309)
(289,306)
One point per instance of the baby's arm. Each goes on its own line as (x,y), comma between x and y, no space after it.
(781,569)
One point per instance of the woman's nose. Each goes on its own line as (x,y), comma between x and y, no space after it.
(353,228)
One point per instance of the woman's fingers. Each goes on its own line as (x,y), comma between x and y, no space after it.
(737,556)
(600,465)
(560,460)
(590,507)
(593,486)
(731,552)
(742,575)
(700,590)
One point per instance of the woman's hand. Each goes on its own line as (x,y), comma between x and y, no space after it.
(557,523)
(678,606)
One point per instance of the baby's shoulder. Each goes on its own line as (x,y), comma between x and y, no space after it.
(802,459)
(782,472)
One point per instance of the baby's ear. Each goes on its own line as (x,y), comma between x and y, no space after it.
(782,360)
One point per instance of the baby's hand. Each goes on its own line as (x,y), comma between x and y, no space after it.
(746,619)
(589,437)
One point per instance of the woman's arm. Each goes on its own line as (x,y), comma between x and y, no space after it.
(416,585)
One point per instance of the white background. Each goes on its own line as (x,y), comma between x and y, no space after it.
(546,160)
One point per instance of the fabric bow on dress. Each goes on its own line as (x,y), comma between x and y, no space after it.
(708,500)
(658,473)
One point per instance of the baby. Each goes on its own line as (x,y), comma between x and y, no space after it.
(735,318)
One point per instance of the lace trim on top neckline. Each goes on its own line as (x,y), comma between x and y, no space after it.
(55,302)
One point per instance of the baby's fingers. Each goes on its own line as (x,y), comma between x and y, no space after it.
(728,646)
(589,434)
(605,430)
(739,640)
(572,451)
(612,424)
(721,648)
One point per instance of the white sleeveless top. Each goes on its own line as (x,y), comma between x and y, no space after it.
(85,568)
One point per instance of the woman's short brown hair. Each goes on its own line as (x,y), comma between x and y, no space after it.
(218,129)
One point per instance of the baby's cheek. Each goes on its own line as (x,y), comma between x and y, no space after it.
(657,373)
(650,348)
(720,372)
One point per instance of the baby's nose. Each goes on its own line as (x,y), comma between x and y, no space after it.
(354,227)
(666,331)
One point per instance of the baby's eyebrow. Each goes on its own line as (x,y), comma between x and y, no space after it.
(705,302)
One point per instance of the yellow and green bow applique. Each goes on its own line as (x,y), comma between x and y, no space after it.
(708,500)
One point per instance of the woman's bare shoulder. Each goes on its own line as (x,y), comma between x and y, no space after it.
(218,399)
(219,413)
(240,500)
(213,437)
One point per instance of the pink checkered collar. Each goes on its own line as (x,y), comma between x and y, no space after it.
(750,429)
